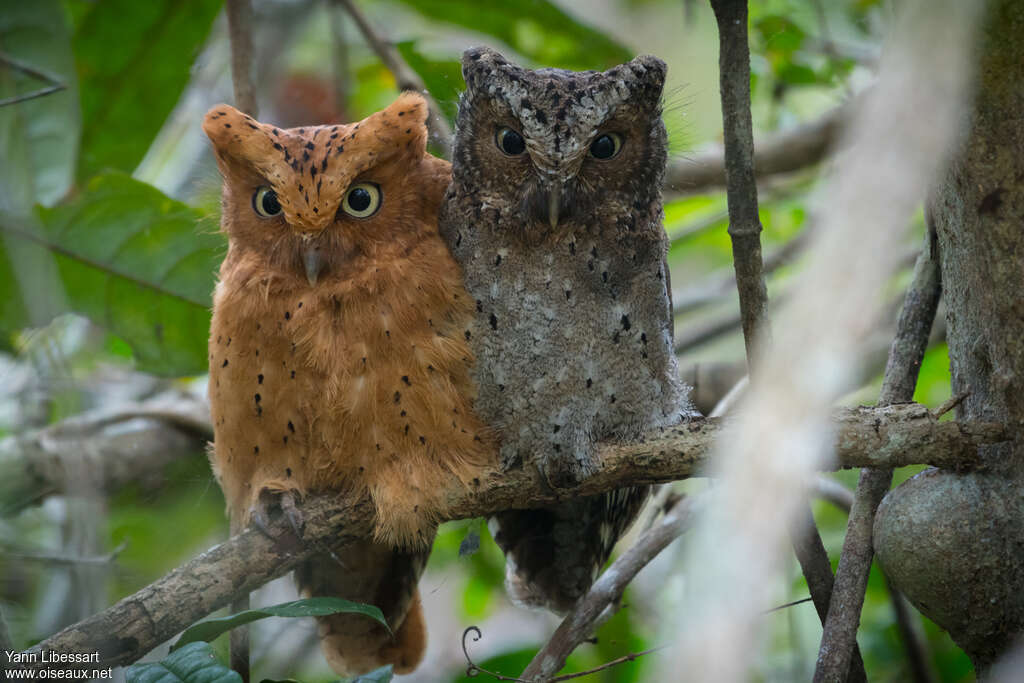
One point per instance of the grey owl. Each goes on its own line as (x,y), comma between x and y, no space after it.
(554,214)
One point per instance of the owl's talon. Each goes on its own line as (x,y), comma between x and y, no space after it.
(258,519)
(292,513)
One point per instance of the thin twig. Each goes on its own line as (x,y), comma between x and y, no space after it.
(788,605)
(951,403)
(240,29)
(406,77)
(598,603)
(56,85)
(905,356)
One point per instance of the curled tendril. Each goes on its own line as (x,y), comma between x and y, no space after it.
(471,668)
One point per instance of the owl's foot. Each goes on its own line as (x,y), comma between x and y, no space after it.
(259,514)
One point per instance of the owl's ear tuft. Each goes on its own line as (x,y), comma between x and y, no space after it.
(222,123)
(648,77)
(480,62)
(411,107)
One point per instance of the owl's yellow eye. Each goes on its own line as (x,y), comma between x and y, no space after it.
(606,145)
(510,142)
(265,203)
(362,200)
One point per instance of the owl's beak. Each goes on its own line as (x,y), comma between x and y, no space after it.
(554,202)
(313,262)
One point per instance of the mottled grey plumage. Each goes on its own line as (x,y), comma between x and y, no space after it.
(573,332)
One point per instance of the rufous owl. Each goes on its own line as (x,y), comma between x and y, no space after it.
(555,215)
(338,361)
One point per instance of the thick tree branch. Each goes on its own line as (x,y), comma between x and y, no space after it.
(894,436)
(407,78)
(905,356)
(598,604)
(240,29)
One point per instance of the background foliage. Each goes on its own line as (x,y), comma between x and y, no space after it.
(109,248)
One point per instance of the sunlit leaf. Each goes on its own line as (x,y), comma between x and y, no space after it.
(311,607)
(134,59)
(194,663)
(125,255)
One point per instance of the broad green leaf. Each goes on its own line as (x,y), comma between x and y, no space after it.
(536,29)
(134,59)
(310,607)
(39,137)
(125,255)
(194,663)
(381,675)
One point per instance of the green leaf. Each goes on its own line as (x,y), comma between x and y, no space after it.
(125,255)
(194,663)
(310,607)
(134,60)
(381,675)
(779,34)
(536,29)
(39,137)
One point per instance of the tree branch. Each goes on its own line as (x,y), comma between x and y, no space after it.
(115,447)
(905,356)
(240,30)
(598,604)
(785,152)
(407,78)
(893,436)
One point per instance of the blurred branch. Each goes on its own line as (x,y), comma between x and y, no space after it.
(602,600)
(113,447)
(407,78)
(893,436)
(785,152)
(56,84)
(50,558)
(240,29)
(745,231)
(905,356)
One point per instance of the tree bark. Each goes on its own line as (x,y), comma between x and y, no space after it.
(952,542)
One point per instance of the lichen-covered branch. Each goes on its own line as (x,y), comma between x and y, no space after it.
(893,436)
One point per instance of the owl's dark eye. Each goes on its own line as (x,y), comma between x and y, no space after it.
(362,200)
(606,146)
(510,142)
(265,203)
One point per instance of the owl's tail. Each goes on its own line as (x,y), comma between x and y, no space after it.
(375,574)
(554,554)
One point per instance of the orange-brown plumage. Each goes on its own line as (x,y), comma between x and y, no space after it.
(338,361)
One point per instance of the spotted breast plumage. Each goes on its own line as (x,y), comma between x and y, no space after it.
(338,361)
(555,215)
